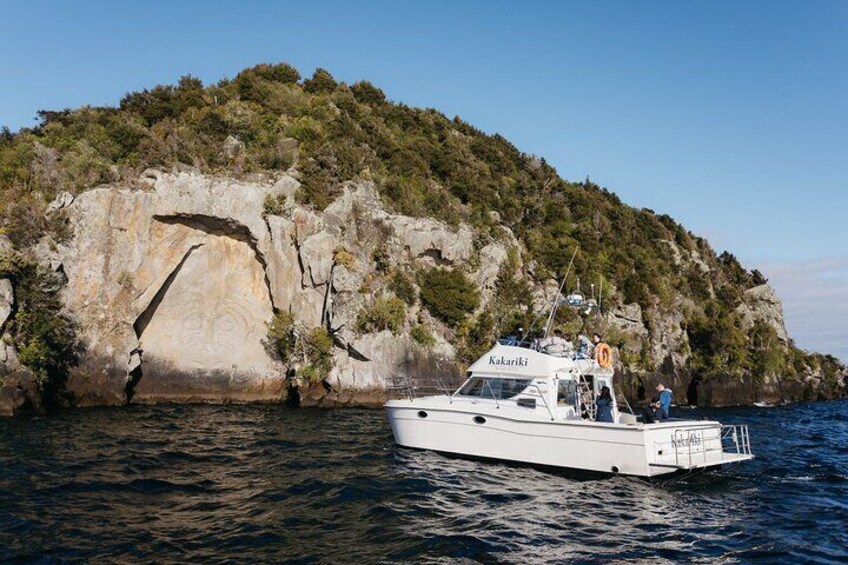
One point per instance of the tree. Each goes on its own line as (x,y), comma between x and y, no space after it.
(321,81)
(448,295)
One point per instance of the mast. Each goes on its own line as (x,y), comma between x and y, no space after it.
(555,304)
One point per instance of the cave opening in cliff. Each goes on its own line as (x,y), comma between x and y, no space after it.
(692,391)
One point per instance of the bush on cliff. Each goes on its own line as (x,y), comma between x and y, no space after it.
(386,313)
(309,351)
(448,295)
(281,340)
(46,339)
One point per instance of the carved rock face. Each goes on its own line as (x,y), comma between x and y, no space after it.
(210,320)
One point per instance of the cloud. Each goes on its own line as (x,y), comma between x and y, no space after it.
(815,302)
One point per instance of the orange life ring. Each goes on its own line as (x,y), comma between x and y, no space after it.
(603,355)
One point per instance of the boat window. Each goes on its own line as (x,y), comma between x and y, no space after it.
(500,389)
(567,393)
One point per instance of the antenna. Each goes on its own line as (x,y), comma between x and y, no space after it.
(555,304)
(600,291)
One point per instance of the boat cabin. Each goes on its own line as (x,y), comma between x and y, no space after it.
(533,382)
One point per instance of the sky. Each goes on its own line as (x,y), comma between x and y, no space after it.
(732,117)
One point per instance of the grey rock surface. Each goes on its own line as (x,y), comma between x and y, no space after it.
(7,301)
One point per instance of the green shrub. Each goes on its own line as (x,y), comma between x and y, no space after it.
(476,337)
(45,338)
(448,295)
(367,93)
(321,81)
(274,205)
(403,287)
(281,72)
(281,338)
(385,314)
(309,351)
(318,345)
(421,335)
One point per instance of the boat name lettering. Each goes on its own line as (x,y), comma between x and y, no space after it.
(686,442)
(503,361)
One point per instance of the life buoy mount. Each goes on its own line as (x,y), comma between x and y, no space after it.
(603,355)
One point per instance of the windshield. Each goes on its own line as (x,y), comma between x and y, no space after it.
(498,388)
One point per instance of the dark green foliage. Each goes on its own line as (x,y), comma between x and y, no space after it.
(513,306)
(384,314)
(403,288)
(718,341)
(448,295)
(321,81)
(367,93)
(475,338)
(310,351)
(422,336)
(317,345)
(45,339)
(281,72)
(281,338)
(768,355)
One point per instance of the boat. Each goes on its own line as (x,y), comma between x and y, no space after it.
(522,403)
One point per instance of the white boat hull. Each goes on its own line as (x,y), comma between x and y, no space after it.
(487,431)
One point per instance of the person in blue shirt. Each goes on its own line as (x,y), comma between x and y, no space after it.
(665,396)
(604,404)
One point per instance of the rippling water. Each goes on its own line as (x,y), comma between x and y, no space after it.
(251,483)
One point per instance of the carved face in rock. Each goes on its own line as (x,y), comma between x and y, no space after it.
(213,316)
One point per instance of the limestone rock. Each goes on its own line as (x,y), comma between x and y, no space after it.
(492,257)
(7,301)
(761,303)
(63,200)
(389,356)
(428,238)
(6,246)
(316,252)
(628,318)
(19,394)
(207,323)
(180,268)
(232,147)
(283,263)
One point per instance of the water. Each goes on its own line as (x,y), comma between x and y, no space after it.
(265,483)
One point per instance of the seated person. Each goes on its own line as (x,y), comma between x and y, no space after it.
(652,413)
(584,347)
(557,345)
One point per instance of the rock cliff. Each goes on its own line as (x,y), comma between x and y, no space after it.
(149,251)
(173,287)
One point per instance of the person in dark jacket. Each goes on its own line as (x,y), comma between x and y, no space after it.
(652,412)
(604,404)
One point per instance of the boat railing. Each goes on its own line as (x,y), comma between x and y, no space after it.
(705,445)
(416,387)
(735,439)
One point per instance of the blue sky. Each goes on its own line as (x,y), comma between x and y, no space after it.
(730,116)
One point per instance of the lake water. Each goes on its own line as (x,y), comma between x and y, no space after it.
(265,483)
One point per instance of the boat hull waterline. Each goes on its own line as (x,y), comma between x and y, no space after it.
(643,450)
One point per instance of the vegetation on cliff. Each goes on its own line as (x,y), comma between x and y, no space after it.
(269,118)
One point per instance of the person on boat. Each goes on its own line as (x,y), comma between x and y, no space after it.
(665,397)
(604,404)
(584,347)
(652,413)
(557,345)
